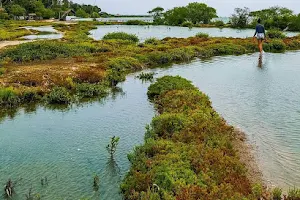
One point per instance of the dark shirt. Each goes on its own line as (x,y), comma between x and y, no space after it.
(259,29)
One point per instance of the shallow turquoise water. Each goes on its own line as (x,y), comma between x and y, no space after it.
(55,35)
(68,147)
(161,32)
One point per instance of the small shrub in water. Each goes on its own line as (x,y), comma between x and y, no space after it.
(112,146)
(219,23)
(86,90)
(59,95)
(9,97)
(202,35)
(121,36)
(277,193)
(275,34)
(294,194)
(257,191)
(187,24)
(96,184)
(146,76)
(153,41)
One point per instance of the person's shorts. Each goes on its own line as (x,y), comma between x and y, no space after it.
(260,36)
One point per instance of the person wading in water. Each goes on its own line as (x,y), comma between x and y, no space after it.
(260,34)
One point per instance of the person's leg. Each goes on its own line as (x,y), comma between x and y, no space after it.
(260,45)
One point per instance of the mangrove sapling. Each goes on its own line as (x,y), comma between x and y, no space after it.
(9,188)
(277,193)
(112,147)
(96,184)
(146,76)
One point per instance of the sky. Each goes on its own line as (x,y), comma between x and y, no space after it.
(224,7)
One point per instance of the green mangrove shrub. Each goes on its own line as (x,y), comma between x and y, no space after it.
(202,35)
(59,95)
(9,97)
(47,50)
(275,46)
(187,24)
(188,151)
(121,36)
(294,194)
(86,90)
(153,41)
(136,22)
(168,83)
(275,34)
(277,193)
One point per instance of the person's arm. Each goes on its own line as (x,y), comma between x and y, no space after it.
(265,34)
(255,31)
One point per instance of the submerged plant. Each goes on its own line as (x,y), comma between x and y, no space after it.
(146,76)
(9,189)
(112,146)
(277,193)
(294,194)
(96,183)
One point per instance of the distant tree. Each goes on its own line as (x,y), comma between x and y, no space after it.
(17,10)
(294,25)
(157,14)
(3,14)
(200,13)
(240,18)
(81,13)
(274,17)
(176,16)
(95,15)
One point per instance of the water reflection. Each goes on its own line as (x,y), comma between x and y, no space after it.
(260,61)
(11,112)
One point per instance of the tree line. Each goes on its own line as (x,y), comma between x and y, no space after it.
(199,13)
(46,9)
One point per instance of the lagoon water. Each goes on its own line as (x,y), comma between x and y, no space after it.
(161,32)
(68,147)
(53,33)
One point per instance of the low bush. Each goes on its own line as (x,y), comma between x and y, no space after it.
(275,34)
(276,194)
(47,50)
(9,97)
(275,46)
(187,24)
(293,194)
(136,22)
(59,95)
(202,35)
(219,23)
(168,83)
(121,36)
(153,41)
(86,90)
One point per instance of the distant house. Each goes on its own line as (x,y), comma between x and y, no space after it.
(66,15)
(32,16)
